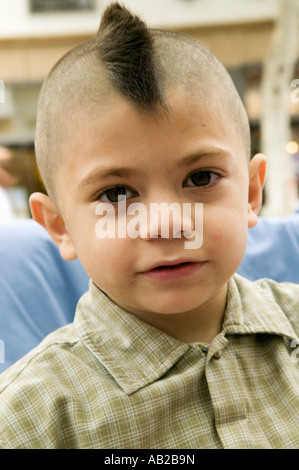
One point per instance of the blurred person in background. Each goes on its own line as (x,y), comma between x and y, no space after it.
(6,180)
(19,178)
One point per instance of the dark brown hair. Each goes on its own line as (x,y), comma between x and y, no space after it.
(125,47)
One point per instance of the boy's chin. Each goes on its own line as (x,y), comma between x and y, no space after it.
(173,308)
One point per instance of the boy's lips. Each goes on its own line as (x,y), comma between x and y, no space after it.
(175,269)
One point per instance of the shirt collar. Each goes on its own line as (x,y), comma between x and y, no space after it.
(252,308)
(136,354)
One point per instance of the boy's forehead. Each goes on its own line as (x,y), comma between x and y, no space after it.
(117,117)
(117,140)
(118,130)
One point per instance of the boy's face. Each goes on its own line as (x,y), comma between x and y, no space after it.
(191,156)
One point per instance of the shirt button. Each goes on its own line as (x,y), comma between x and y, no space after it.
(217,355)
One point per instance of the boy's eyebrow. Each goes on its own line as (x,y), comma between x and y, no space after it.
(124,172)
(189,159)
(100,173)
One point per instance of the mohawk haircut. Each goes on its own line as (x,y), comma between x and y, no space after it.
(125,47)
(127,59)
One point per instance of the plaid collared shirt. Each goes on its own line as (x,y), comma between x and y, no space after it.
(109,380)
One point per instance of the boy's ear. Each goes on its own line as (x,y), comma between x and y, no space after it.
(257,175)
(46,213)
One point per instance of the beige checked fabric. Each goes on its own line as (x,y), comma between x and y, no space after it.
(111,381)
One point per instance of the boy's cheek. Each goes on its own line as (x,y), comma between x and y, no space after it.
(226,236)
(217,235)
(110,254)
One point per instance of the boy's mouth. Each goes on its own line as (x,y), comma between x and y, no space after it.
(169,270)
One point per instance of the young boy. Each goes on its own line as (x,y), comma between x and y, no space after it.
(169,348)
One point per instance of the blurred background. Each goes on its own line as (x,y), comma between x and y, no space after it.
(257,40)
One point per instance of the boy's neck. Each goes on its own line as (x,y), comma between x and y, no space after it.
(200,325)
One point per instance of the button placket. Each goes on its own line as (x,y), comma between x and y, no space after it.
(216,347)
(229,399)
(217,355)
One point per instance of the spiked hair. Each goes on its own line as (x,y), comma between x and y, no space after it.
(126,49)
(127,59)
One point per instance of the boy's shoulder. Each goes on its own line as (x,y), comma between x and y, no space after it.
(31,388)
(272,301)
(61,339)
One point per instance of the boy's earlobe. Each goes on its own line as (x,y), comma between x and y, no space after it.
(45,212)
(257,175)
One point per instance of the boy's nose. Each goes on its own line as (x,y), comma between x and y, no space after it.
(167,221)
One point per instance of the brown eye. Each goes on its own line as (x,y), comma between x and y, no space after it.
(115,194)
(201,178)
